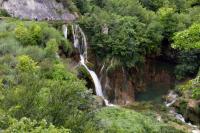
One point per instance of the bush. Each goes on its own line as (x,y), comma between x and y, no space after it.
(4,13)
(51,48)
(24,35)
(192,86)
(35,52)
(188,39)
(26,64)
(9,46)
(188,64)
(119,120)
(25,125)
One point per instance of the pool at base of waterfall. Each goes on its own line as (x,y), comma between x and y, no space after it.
(154,92)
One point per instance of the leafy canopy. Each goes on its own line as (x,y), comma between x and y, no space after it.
(188,39)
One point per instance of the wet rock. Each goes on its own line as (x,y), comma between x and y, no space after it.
(121,85)
(37,9)
(98,102)
(189,108)
(117,87)
(171,98)
(193,111)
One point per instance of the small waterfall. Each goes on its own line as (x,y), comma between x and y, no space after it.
(65,31)
(78,35)
(173,98)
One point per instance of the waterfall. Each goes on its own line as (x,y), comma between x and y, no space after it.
(173,98)
(65,30)
(78,35)
(94,77)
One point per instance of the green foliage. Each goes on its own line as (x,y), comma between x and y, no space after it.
(24,35)
(34,96)
(26,64)
(82,5)
(188,42)
(188,64)
(128,8)
(192,86)
(179,5)
(119,120)
(51,48)
(128,40)
(4,13)
(25,125)
(188,39)
(171,21)
(35,52)
(36,85)
(30,34)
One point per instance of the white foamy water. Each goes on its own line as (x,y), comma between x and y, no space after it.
(96,81)
(65,30)
(78,35)
(173,96)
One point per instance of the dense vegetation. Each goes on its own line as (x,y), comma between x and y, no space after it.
(140,29)
(39,92)
(35,83)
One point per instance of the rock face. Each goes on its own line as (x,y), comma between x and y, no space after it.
(189,108)
(37,9)
(122,85)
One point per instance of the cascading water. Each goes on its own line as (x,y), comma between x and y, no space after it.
(173,96)
(65,31)
(94,77)
(82,47)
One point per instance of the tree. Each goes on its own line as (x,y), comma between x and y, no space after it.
(188,39)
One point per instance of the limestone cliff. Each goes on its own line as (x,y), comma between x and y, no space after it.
(121,85)
(37,9)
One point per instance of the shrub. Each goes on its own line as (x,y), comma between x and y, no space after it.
(192,86)
(119,120)
(26,64)
(4,13)
(9,46)
(25,125)
(24,35)
(35,52)
(188,39)
(51,48)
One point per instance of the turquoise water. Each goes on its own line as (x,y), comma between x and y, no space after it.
(154,92)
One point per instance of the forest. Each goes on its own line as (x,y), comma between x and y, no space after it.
(121,66)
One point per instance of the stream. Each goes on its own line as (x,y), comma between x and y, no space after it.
(173,96)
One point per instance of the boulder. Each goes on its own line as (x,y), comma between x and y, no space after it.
(193,111)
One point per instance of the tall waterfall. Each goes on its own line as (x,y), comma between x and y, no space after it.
(78,35)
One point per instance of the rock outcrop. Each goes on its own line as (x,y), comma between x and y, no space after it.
(121,85)
(189,108)
(37,9)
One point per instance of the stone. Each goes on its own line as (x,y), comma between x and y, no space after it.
(37,9)
(98,102)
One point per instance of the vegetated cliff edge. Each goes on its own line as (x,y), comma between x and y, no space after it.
(37,9)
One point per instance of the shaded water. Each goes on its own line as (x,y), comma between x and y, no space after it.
(160,79)
(154,92)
